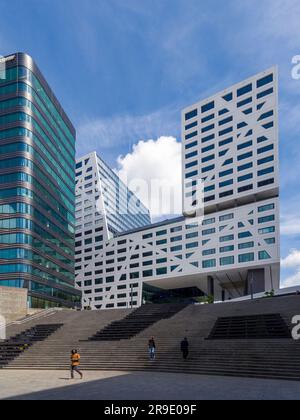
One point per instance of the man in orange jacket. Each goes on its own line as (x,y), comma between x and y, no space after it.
(75,363)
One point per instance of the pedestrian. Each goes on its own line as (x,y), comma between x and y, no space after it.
(75,363)
(152,349)
(185,348)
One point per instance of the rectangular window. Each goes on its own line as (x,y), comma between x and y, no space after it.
(208,252)
(226,260)
(226,217)
(191,135)
(191,145)
(266,219)
(207,107)
(209,263)
(266,171)
(267,207)
(227,238)
(265,80)
(267,230)
(265,93)
(229,248)
(192,125)
(245,156)
(191,114)
(245,89)
(245,258)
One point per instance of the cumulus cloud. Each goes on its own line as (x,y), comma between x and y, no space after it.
(153,171)
(293,280)
(292,260)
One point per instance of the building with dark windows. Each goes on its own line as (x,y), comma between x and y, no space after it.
(37,187)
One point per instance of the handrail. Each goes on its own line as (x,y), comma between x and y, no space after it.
(42,314)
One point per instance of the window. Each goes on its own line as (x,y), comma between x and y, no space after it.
(191,114)
(245,177)
(245,145)
(191,164)
(209,263)
(244,258)
(208,221)
(226,194)
(266,182)
(191,174)
(208,231)
(227,238)
(244,90)
(208,128)
(191,145)
(265,160)
(208,252)
(191,135)
(266,219)
(263,255)
(192,125)
(226,173)
(192,154)
(228,248)
(161,271)
(266,230)
(208,168)
(266,171)
(226,260)
(191,235)
(265,80)
(226,217)
(207,107)
(226,183)
(208,148)
(267,207)
(244,102)
(192,245)
(244,235)
(245,167)
(245,156)
(208,138)
(265,149)
(265,93)
(208,118)
(246,245)
(226,141)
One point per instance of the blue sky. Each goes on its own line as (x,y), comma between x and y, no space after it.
(124,69)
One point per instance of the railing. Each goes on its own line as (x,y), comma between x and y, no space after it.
(43,314)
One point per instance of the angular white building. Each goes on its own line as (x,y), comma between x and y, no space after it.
(230,144)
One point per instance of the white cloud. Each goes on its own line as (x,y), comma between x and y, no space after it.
(293,280)
(152,162)
(292,260)
(290,226)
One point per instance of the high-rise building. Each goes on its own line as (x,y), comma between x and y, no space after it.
(105,208)
(37,187)
(230,146)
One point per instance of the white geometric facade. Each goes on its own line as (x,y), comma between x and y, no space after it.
(230,142)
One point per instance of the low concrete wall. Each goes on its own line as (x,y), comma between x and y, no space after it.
(13,303)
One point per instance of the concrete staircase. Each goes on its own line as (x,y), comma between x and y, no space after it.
(136,322)
(263,358)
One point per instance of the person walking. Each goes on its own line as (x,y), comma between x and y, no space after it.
(185,348)
(152,349)
(75,363)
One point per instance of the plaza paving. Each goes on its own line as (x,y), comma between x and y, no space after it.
(55,385)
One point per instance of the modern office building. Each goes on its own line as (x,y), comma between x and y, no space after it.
(37,187)
(104,209)
(230,145)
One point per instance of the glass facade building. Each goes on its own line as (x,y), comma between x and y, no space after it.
(37,187)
